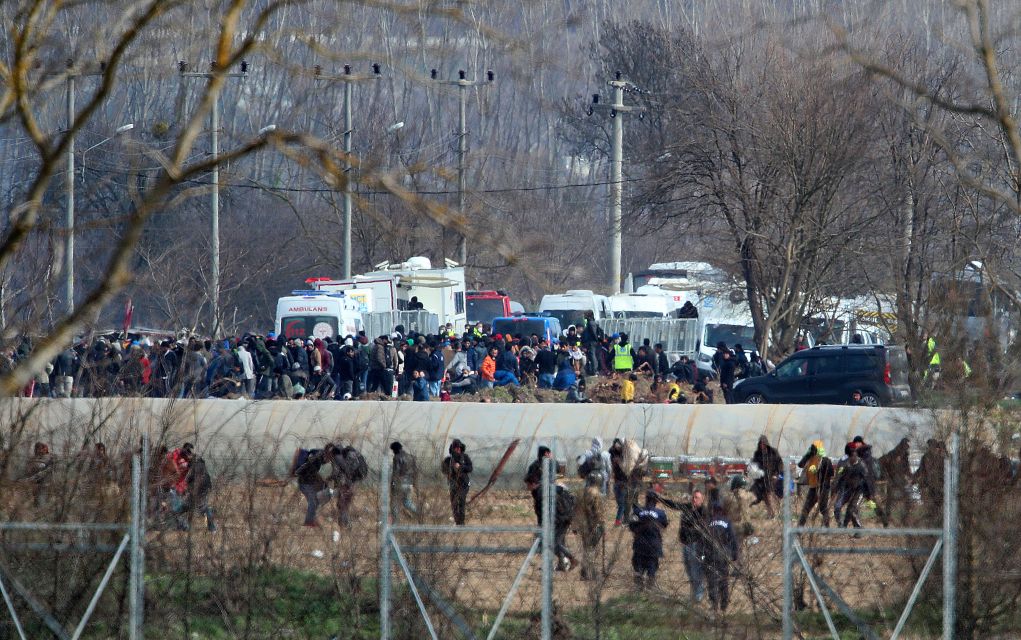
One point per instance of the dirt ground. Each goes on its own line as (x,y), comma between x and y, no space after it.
(269,520)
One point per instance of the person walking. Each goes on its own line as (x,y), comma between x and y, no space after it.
(819,473)
(768,460)
(728,374)
(590,527)
(402,481)
(720,553)
(852,484)
(457,467)
(647,525)
(199,486)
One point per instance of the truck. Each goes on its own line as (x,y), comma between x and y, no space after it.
(409,286)
(317,314)
(483,306)
(570,307)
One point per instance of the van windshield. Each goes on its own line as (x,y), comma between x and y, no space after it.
(308,327)
(638,314)
(567,317)
(485,309)
(524,327)
(731,334)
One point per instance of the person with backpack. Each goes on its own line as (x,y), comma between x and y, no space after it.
(647,525)
(349,468)
(305,467)
(595,462)
(457,467)
(402,481)
(564,506)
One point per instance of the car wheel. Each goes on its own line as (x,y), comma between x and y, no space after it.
(870,399)
(755,398)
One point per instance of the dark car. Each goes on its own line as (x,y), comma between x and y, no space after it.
(830,374)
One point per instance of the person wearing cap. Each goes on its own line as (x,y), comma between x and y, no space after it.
(819,473)
(720,553)
(647,525)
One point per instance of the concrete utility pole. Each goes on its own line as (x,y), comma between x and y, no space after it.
(347,78)
(462,83)
(617,111)
(69,204)
(214,117)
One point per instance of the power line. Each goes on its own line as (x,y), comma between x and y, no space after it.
(425,192)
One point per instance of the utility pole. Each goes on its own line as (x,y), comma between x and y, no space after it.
(348,79)
(617,111)
(214,117)
(462,83)
(69,204)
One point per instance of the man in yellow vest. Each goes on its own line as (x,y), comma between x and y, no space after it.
(623,356)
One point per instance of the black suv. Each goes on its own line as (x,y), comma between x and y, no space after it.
(830,374)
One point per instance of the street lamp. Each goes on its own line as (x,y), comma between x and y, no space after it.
(69,213)
(124,128)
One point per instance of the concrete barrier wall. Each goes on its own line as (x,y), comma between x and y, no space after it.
(269,431)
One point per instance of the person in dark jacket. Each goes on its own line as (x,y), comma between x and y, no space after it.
(687,311)
(647,525)
(768,459)
(437,366)
(546,363)
(348,469)
(346,367)
(819,474)
(896,471)
(200,485)
(662,362)
(720,553)
(684,370)
(310,483)
(693,519)
(728,373)
(420,387)
(562,519)
(457,467)
(403,479)
(853,482)
(620,480)
(872,475)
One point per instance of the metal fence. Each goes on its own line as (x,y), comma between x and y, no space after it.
(380,323)
(678,336)
(423,552)
(945,543)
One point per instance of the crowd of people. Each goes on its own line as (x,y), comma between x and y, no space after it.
(180,487)
(399,364)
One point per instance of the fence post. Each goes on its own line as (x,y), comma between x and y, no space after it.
(951,466)
(549,492)
(136,572)
(384,551)
(788,559)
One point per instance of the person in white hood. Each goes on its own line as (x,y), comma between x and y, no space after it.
(596,461)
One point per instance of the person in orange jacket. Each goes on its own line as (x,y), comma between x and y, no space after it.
(488,369)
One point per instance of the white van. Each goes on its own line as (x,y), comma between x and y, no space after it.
(570,307)
(631,306)
(314,314)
